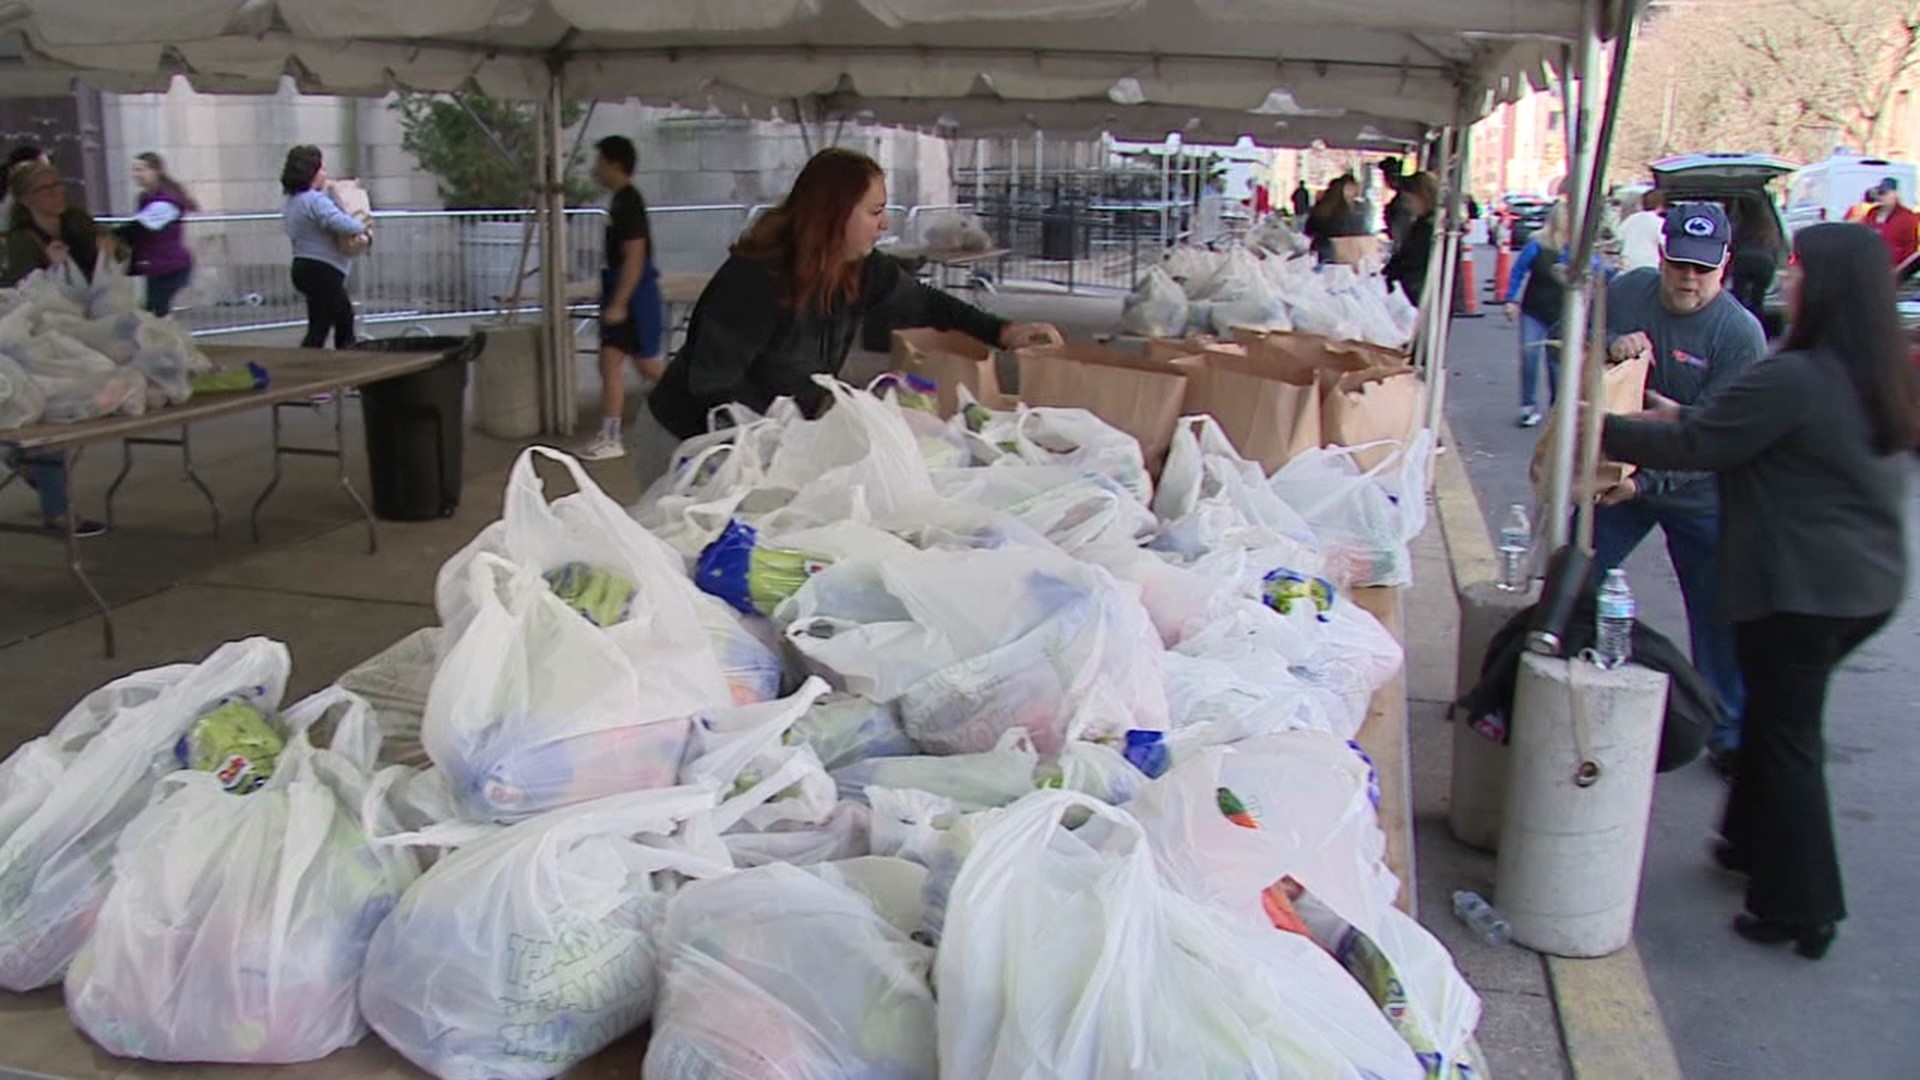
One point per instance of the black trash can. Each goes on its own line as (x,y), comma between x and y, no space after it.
(416,427)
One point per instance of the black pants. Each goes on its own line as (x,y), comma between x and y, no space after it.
(1778,816)
(328,306)
(162,288)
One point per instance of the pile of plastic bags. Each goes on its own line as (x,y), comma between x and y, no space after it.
(73,350)
(1267,285)
(979,754)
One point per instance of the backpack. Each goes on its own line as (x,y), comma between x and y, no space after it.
(1693,709)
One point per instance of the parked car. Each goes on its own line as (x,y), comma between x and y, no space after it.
(1828,190)
(1524,215)
(1743,183)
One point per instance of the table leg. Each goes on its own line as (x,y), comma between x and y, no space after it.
(186,461)
(340,460)
(338,453)
(70,462)
(126,466)
(273,483)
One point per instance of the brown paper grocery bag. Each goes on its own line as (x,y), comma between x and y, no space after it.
(1357,251)
(1271,415)
(1144,398)
(1369,406)
(950,360)
(1307,354)
(1165,349)
(1623,390)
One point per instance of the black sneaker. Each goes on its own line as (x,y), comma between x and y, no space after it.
(84,529)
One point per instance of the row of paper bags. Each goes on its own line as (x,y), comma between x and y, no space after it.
(1274,395)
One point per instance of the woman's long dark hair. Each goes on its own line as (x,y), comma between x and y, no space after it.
(1847,311)
(168,186)
(303,164)
(1333,204)
(804,238)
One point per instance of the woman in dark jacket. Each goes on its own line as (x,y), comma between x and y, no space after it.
(788,304)
(1809,445)
(1408,265)
(1336,215)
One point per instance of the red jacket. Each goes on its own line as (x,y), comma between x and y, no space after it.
(1900,231)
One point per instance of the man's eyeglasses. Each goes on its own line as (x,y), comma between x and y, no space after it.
(1690,268)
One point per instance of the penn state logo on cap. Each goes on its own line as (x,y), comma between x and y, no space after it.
(1698,233)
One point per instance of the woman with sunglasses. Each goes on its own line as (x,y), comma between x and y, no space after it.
(1809,451)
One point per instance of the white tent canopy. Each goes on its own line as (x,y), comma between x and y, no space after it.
(1401,59)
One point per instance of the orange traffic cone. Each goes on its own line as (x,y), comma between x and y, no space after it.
(1466,296)
(1502,271)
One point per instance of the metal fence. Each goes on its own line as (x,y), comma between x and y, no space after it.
(440,264)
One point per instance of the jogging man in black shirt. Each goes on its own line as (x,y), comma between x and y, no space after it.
(632,315)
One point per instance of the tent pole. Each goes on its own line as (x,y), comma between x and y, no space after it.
(553,278)
(1455,220)
(1584,67)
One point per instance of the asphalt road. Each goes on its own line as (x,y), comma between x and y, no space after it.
(1736,1009)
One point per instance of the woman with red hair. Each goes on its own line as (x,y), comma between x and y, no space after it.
(788,304)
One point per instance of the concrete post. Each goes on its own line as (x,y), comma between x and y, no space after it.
(1580,791)
(1479,788)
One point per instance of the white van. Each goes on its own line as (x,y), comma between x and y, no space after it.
(1827,190)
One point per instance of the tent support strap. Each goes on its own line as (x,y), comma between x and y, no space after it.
(560,378)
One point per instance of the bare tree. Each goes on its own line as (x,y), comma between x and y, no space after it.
(1793,77)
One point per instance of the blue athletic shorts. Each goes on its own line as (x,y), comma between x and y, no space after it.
(644,334)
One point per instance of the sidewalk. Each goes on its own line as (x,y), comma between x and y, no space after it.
(1545,1018)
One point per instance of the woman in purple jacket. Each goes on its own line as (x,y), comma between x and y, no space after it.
(157,233)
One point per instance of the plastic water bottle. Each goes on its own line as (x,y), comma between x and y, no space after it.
(1516,540)
(1613,621)
(1481,918)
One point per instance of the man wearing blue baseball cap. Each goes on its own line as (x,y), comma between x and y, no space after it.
(1699,340)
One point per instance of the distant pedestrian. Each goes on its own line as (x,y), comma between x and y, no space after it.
(633,319)
(1419,199)
(1640,234)
(1536,297)
(1337,214)
(1302,201)
(157,233)
(1810,452)
(316,224)
(1899,227)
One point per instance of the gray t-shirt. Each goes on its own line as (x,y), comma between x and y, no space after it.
(1694,358)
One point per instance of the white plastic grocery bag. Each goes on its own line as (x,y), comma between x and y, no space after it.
(1307,796)
(777,972)
(65,798)
(668,619)
(1156,307)
(237,925)
(975,643)
(534,707)
(859,456)
(526,952)
(763,781)
(1365,518)
(1067,954)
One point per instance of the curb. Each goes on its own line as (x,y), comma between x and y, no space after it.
(1610,1024)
